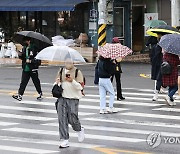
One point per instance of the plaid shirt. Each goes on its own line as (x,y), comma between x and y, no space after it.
(171,79)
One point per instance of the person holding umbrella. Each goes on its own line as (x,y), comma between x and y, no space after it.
(117,74)
(156,58)
(106,68)
(30,68)
(67,105)
(72,82)
(171,50)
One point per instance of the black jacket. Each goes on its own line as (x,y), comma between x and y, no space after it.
(156,61)
(118,67)
(106,68)
(32,52)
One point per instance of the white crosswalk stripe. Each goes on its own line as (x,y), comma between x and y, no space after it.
(88,136)
(29,119)
(158,116)
(25,150)
(122,130)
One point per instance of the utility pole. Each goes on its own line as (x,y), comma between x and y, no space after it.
(102,22)
(175,12)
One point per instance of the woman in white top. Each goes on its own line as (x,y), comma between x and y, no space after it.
(67,106)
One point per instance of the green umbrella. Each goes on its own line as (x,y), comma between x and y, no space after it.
(154,23)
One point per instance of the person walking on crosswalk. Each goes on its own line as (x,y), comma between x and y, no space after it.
(30,67)
(117,74)
(106,68)
(67,105)
(171,80)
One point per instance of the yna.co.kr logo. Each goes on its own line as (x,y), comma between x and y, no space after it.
(154,140)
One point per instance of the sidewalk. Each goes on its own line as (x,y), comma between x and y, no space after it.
(142,58)
(16,61)
(10,61)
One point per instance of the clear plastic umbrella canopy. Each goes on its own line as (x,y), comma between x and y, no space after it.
(60,54)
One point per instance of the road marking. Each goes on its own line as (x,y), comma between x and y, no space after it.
(39,110)
(157,116)
(117,151)
(135,98)
(118,130)
(80,106)
(8,115)
(133,122)
(145,76)
(48,142)
(123,102)
(88,136)
(7,123)
(167,109)
(25,150)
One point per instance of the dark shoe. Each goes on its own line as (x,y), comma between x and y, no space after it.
(40,97)
(120,98)
(17,97)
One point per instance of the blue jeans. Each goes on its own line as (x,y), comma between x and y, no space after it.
(105,86)
(172,90)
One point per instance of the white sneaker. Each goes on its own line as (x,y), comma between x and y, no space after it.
(162,91)
(64,144)
(155,97)
(177,98)
(174,103)
(81,135)
(112,110)
(169,102)
(103,111)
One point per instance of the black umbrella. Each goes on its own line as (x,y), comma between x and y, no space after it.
(39,39)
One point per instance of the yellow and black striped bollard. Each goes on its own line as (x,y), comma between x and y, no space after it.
(102,35)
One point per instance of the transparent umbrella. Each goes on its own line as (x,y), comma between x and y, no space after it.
(60,54)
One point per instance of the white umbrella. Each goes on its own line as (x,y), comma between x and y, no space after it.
(60,54)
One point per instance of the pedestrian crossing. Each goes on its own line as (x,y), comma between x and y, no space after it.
(31,126)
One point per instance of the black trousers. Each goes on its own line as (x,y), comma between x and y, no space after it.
(118,84)
(25,79)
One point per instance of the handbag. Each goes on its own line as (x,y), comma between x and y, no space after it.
(166,68)
(57,91)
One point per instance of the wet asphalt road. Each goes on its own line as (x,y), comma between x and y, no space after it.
(31,126)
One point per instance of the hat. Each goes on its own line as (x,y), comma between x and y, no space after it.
(115,40)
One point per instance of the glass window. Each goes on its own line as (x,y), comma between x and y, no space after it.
(119,22)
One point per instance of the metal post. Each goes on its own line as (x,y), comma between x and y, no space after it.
(102,23)
(175,12)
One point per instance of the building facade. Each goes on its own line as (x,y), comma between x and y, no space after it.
(125,19)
